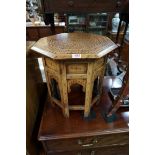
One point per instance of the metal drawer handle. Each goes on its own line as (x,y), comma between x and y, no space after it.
(94,141)
(86,145)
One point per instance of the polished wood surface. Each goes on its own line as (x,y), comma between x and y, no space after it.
(74,135)
(35,95)
(82,6)
(62,46)
(115,150)
(55,126)
(34,33)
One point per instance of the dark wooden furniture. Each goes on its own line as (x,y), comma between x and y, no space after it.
(49,6)
(124,16)
(33,33)
(76,136)
(112,36)
(36,92)
(124,91)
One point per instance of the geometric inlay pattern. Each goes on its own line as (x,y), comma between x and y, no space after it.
(86,44)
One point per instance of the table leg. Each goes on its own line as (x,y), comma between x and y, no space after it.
(89,90)
(101,77)
(48,83)
(64,99)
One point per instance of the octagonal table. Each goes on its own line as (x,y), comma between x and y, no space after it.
(74,58)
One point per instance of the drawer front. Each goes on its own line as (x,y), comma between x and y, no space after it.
(79,152)
(113,150)
(83,5)
(76,68)
(88,142)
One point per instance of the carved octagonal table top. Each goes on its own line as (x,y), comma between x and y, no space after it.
(74,45)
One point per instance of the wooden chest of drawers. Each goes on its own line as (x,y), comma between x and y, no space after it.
(77,136)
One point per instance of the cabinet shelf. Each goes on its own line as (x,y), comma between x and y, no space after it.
(76,24)
(98,14)
(96,27)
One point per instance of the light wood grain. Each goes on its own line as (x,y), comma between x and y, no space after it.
(62,46)
(89,89)
(64,90)
(76,107)
(67,71)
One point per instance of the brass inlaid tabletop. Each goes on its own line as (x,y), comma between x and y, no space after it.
(67,45)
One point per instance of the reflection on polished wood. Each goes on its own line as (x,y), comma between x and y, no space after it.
(75,134)
(74,58)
